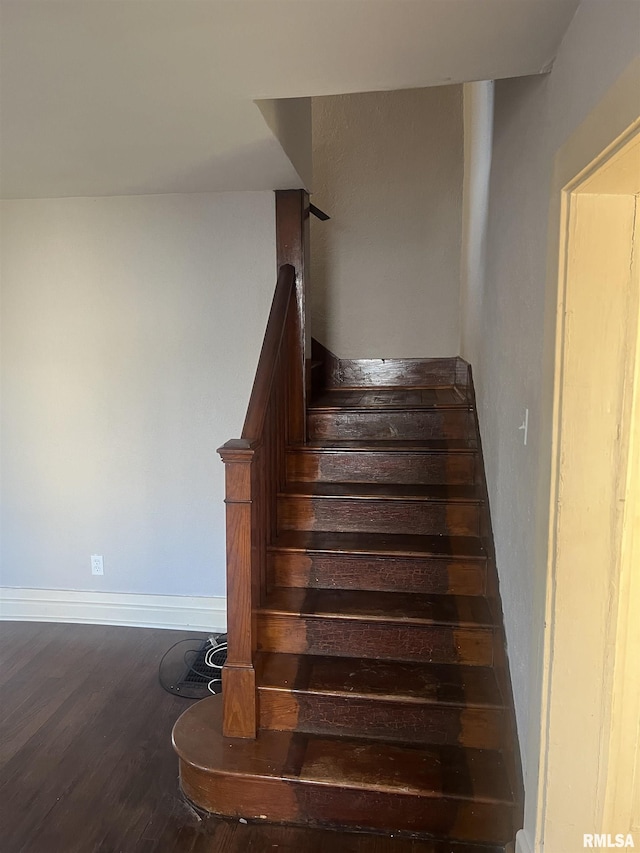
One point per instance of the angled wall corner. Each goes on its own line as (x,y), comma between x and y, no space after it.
(478,139)
(289,119)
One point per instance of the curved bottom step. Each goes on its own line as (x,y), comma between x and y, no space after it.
(289,777)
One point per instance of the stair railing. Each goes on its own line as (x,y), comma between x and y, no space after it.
(254,474)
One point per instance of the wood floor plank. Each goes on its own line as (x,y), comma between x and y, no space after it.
(23,648)
(41,699)
(233,837)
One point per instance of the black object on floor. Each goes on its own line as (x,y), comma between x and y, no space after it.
(192,668)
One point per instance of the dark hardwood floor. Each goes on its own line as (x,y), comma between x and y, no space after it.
(86,764)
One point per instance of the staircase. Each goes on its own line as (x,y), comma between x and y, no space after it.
(382,698)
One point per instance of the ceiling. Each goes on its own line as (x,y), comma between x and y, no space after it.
(107,97)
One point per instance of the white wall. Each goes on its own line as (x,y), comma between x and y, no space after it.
(513,356)
(131,328)
(385,270)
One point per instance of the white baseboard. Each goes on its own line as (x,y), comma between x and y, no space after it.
(189,613)
(523,842)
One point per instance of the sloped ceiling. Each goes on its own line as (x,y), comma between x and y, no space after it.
(103,97)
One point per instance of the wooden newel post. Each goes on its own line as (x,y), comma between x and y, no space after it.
(238,674)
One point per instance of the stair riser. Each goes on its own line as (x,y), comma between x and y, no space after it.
(390,574)
(379,467)
(408,722)
(374,639)
(397,373)
(299,802)
(402,425)
(378,516)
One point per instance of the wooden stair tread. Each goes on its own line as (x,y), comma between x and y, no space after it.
(433,445)
(384,491)
(427,771)
(397,607)
(386,544)
(397,681)
(389,398)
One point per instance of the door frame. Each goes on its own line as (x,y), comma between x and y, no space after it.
(592,192)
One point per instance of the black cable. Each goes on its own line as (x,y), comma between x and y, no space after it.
(170,649)
(206,680)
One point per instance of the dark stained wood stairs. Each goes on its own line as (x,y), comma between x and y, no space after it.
(383,697)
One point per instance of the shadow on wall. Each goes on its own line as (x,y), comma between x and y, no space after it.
(319,293)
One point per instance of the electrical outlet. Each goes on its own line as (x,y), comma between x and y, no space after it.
(97,565)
